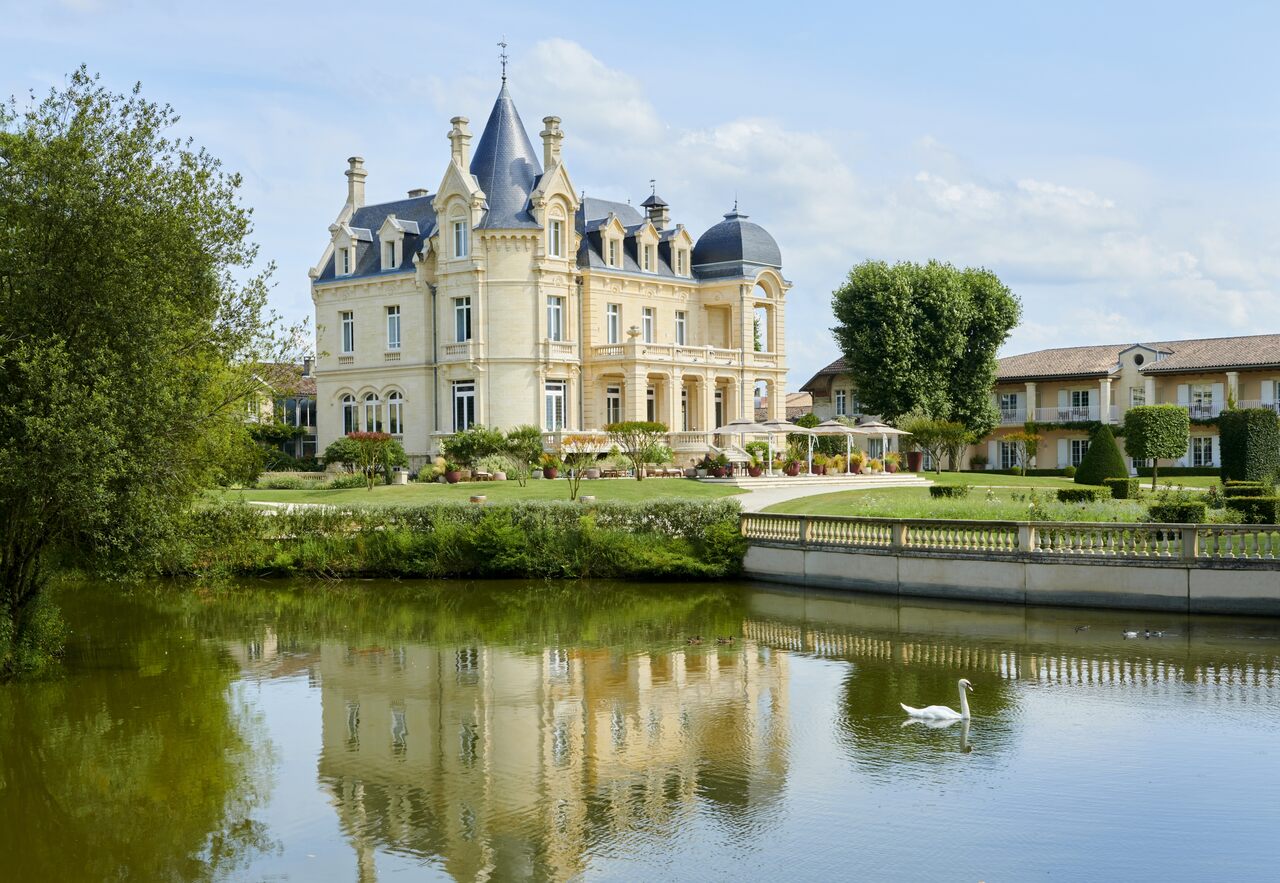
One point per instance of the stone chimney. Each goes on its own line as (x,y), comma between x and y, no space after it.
(551,138)
(460,142)
(308,365)
(355,181)
(418,191)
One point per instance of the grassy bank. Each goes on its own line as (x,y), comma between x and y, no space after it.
(995,503)
(419,494)
(674,539)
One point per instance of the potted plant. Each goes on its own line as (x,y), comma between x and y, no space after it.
(915,461)
(755,468)
(891,461)
(792,468)
(857,460)
(703,467)
(550,466)
(819,464)
(452,472)
(875,466)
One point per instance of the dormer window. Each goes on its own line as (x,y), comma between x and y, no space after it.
(680,259)
(389,256)
(648,258)
(613,253)
(347,261)
(459,239)
(556,239)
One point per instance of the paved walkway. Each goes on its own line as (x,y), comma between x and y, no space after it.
(761,498)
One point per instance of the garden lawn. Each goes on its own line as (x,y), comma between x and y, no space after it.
(416,494)
(982,504)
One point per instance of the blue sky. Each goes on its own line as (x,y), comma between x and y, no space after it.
(1115,164)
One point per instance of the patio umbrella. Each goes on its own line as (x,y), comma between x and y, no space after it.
(835,427)
(742,427)
(787,426)
(884,430)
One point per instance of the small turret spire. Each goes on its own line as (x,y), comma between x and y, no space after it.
(503,55)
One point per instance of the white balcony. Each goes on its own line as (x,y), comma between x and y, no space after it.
(1204,410)
(693,355)
(559,351)
(1258,403)
(462,351)
(1069,414)
(1013,416)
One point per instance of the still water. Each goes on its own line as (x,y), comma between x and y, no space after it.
(508,731)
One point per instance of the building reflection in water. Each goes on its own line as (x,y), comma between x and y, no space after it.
(498,762)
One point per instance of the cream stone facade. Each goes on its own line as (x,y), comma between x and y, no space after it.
(508,297)
(1066,392)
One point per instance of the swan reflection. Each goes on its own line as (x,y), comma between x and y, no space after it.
(939,724)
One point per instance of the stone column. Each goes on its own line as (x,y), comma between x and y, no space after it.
(707,404)
(1233,388)
(1150,389)
(673,384)
(634,398)
(1104,400)
(1031,400)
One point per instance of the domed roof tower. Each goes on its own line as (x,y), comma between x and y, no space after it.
(735,247)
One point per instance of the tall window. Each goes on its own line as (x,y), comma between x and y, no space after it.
(346,260)
(464,404)
(372,414)
(393,328)
(684,409)
(680,262)
(1008,455)
(395,414)
(648,257)
(1202,400)
(555,318)
(1079,446)
(1137,396)
(1080,398)
(719,408)
(646,324)
(842,402)
(613,323)
(389,259)
(459,239)
(350,415)
(307,412)
(348,332)
(682,324)
(613,404)
(1008,404)
(557,239)
(651,404)
(461,319)
(1202,450)
(554,397)
(613,253)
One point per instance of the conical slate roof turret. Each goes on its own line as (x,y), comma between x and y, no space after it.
(506,166)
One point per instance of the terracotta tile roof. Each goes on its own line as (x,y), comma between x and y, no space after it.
(1181,356)
(813,385)
(286,378)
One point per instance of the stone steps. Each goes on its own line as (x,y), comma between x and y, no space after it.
(824,482)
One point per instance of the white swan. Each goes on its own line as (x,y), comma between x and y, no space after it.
(941,712)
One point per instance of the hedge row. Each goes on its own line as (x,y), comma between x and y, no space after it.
(655,540)
(1178,512)
(949,491)
(1123,488)
(1167,471)
(1083,494)
(1255,510)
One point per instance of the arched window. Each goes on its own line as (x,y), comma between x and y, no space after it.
(395,414)
(350,415)
(372,414)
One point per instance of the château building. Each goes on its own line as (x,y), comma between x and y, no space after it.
(509,297)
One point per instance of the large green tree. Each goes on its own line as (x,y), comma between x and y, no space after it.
(1156,432)
(923,337)
(132,322)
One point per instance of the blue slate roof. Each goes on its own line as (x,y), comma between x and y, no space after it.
(415,210)
(735,246)
(506,167)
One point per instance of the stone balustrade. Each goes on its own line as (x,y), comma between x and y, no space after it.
(1100,541)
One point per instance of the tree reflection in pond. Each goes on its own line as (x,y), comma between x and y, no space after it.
(107,774)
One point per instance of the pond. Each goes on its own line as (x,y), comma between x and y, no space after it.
(504,731)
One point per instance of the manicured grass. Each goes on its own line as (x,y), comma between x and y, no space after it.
(997,479)
(416,494)
(994,504)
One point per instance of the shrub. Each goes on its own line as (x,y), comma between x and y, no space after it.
(1232,482)
(345,482)
(282,483)
(1069,472)
(470,445)
(1122,488)
(1178,511)
(1171,471)
(1247,490)
(1102,460)
(1083,494)
(1255,510)
(342,451)
(949,491)
(1250,444)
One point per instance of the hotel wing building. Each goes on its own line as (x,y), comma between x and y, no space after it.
(508,297)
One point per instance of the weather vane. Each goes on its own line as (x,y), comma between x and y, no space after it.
(653,187)
(503,56)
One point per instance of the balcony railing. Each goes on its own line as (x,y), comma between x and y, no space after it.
(1204,410)
(701,355)
(462,351)
(1258,403)
(1013,416)
(1069,414)
(559,350)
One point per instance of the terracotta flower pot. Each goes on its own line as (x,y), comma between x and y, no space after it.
(550,472)
(792,469)
(755,471)
(891,468)
(717,472)
(915,460)
(453,477)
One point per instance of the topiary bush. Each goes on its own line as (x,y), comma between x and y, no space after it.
(1255,510)
(1083,494)
(1157,432)
(1232,491)
(1178,512)
(1122,488)
(948,491)
(1102,460)
(1069,472)
(1250,444)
